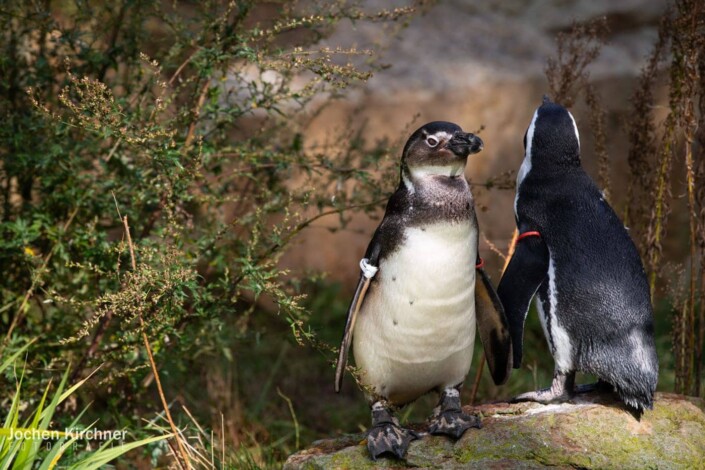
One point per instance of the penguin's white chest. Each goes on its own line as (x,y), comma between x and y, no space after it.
(416,329)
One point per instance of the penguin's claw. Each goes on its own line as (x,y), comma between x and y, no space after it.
(544,396)
(561,390)
(388,438)
(453,423)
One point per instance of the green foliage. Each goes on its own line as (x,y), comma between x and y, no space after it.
(191,121)
(25,452)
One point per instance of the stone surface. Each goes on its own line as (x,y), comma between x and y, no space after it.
(458,44)
(589,432)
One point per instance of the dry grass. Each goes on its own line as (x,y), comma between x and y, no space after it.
(656,156)
(568,78)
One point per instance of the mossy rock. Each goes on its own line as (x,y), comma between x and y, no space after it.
(591,431)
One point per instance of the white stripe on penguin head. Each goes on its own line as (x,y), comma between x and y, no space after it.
(443,135)
(526,164)
(575,128)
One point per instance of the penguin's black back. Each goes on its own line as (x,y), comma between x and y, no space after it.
(602,291)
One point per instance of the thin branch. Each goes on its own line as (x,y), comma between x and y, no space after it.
(95,343)
(196,114)
(155,371)
(182,66)
(293,415)
(494,248)
(478,377)
(278,246)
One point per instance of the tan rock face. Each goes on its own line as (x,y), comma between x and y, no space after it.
(478,64)
(589,432)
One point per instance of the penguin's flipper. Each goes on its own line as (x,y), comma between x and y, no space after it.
(354,308)
(371,261)
(493,328)
(526,271)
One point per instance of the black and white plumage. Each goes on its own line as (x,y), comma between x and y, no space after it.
(412,320)
(591,289)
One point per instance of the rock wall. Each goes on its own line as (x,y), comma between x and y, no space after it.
(592,431)
(479,64)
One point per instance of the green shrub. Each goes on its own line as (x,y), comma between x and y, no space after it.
(190,120)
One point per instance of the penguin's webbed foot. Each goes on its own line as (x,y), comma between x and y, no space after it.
(386,436)
(544,396)
(560,390)
(448,417)
(389,438)
(453,423)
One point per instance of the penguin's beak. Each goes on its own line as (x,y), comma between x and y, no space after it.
(463,144)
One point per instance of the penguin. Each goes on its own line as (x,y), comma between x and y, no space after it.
(576,258)
(413,317)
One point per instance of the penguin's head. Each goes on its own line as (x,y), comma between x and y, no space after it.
(552,137)
(438,148)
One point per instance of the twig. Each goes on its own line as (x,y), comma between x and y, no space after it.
(147,346)
(478,377)
(701,337)
(597,127)
(494,248)
(692,291)
(113,150)
(174,451)
(95,343)
(182,66)
(293,415)
(273,249)
(196,113)
(510,250)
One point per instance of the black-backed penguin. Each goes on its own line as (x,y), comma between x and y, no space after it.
(575,254)
(412,319)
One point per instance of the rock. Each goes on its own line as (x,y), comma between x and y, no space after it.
(591,431)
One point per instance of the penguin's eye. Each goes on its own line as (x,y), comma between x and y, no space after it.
(432,141)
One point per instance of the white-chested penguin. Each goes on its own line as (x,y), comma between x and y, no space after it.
(413,316)
(575,254)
